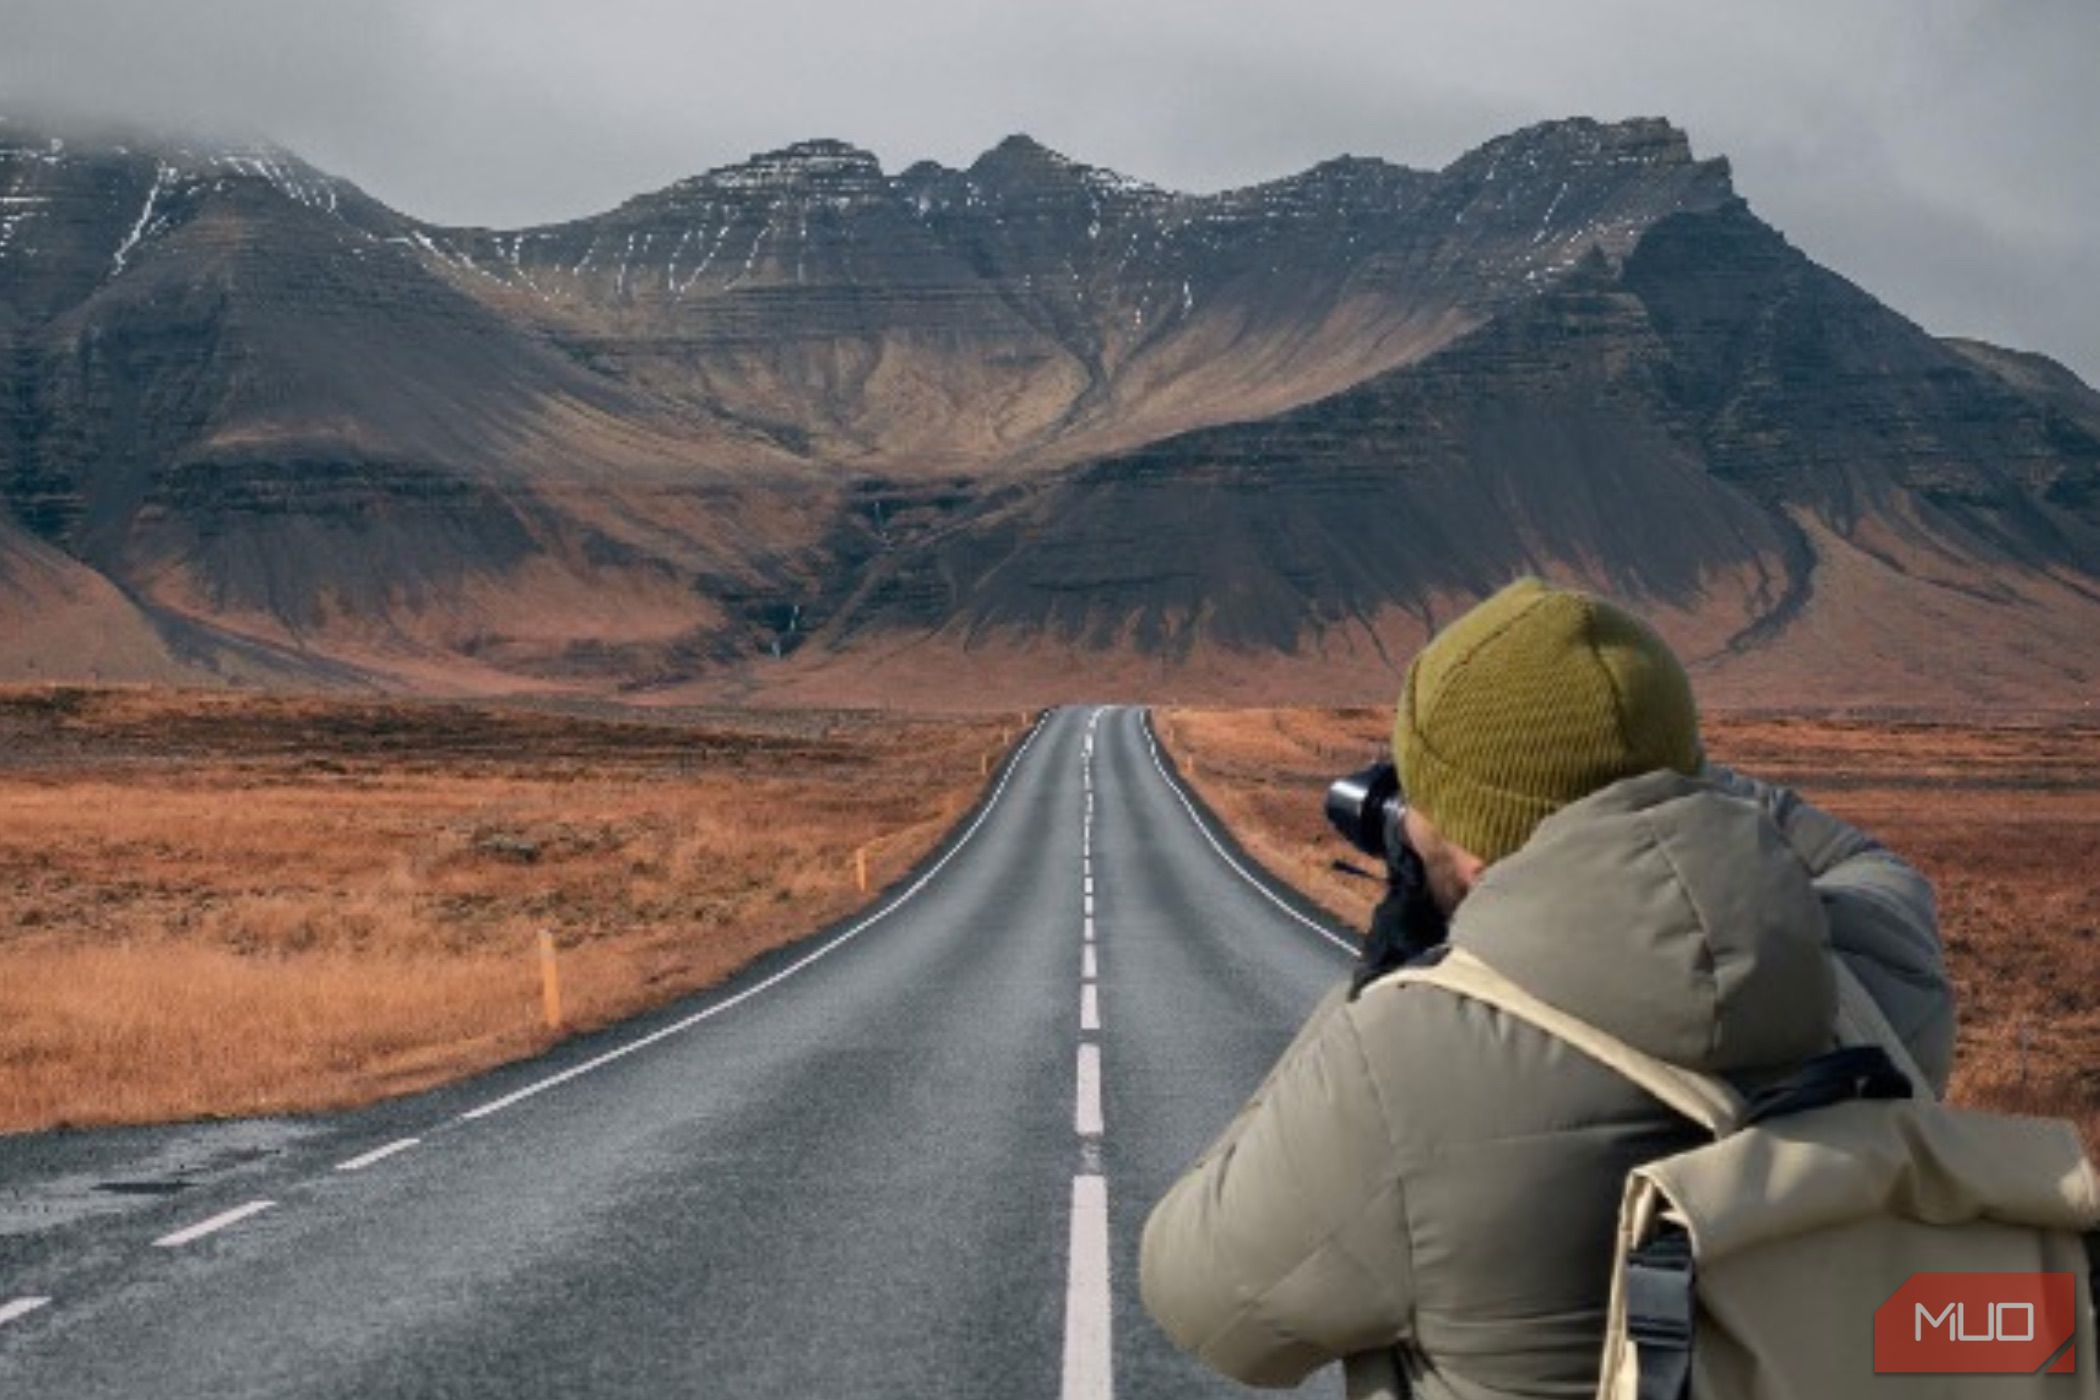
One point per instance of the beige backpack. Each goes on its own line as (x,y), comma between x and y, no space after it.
(1820,1233)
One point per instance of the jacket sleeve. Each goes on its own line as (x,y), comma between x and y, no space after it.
(1285,1247)
(1882,919)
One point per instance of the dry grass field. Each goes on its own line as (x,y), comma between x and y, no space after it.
(2004,820)
(222,904)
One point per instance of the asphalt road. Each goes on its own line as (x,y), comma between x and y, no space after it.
(910,1157)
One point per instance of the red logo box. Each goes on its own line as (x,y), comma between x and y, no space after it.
(1977,1324)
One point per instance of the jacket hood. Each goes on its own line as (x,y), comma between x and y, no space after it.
(1670,914)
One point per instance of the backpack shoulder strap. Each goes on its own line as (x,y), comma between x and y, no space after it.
(1711,1103)
(1860,1021)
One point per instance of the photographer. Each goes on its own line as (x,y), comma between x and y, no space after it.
(1426,1188)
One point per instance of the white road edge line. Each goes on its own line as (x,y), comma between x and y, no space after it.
(20,1307)
(377,1154)
(677,1027)
(1226,856)
(1089,1007)
(1089,1372)
(218,1222)
(1086,1115)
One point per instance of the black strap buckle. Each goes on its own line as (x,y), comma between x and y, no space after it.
(1662,1314)
(1855,1072)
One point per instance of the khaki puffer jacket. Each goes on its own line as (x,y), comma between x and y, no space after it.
(1424,1185)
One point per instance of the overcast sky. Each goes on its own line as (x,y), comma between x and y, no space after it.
(1940,152)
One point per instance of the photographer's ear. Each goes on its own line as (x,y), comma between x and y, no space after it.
(1452,869)
(1466,866)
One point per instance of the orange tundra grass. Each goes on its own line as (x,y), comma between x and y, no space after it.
(2005,821)
(214,904)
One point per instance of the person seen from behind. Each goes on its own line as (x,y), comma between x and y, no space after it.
(1425,1188)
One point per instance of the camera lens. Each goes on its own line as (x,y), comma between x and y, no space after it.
(1365,808)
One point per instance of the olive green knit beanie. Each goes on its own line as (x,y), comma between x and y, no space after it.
(1535,698)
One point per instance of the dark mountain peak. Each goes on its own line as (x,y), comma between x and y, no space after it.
(1583,150)
(86,203)
(927,184)
(1358,168)
(924,172)
(1648,141)
(182,152)
(814,161)
(823,154)
(1352,181)
(805,166)
(1534,201)
(1021,161)
(818,169)
(1020,151)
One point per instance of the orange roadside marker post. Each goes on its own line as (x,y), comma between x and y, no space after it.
(550,981)
(860,868)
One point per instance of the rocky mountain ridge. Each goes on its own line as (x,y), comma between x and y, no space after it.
(801,426)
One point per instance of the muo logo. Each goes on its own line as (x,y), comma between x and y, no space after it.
(1979,1324)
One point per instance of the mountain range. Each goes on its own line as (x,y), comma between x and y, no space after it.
(799,429)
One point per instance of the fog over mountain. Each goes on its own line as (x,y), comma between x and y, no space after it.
(807,427)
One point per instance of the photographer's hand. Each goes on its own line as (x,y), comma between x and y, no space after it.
(1405,924)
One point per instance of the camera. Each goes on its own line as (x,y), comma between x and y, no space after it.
(1366,808)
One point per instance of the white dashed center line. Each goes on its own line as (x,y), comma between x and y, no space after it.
(22,1307)
(1086,1118)
(218,1222)
(1089,1370)
(377,1154)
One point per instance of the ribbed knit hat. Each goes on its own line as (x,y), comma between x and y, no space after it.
(1533,699)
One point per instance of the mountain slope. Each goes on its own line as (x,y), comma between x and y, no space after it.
(241,392)
(1033,310)
(1818,500)
(801,427)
